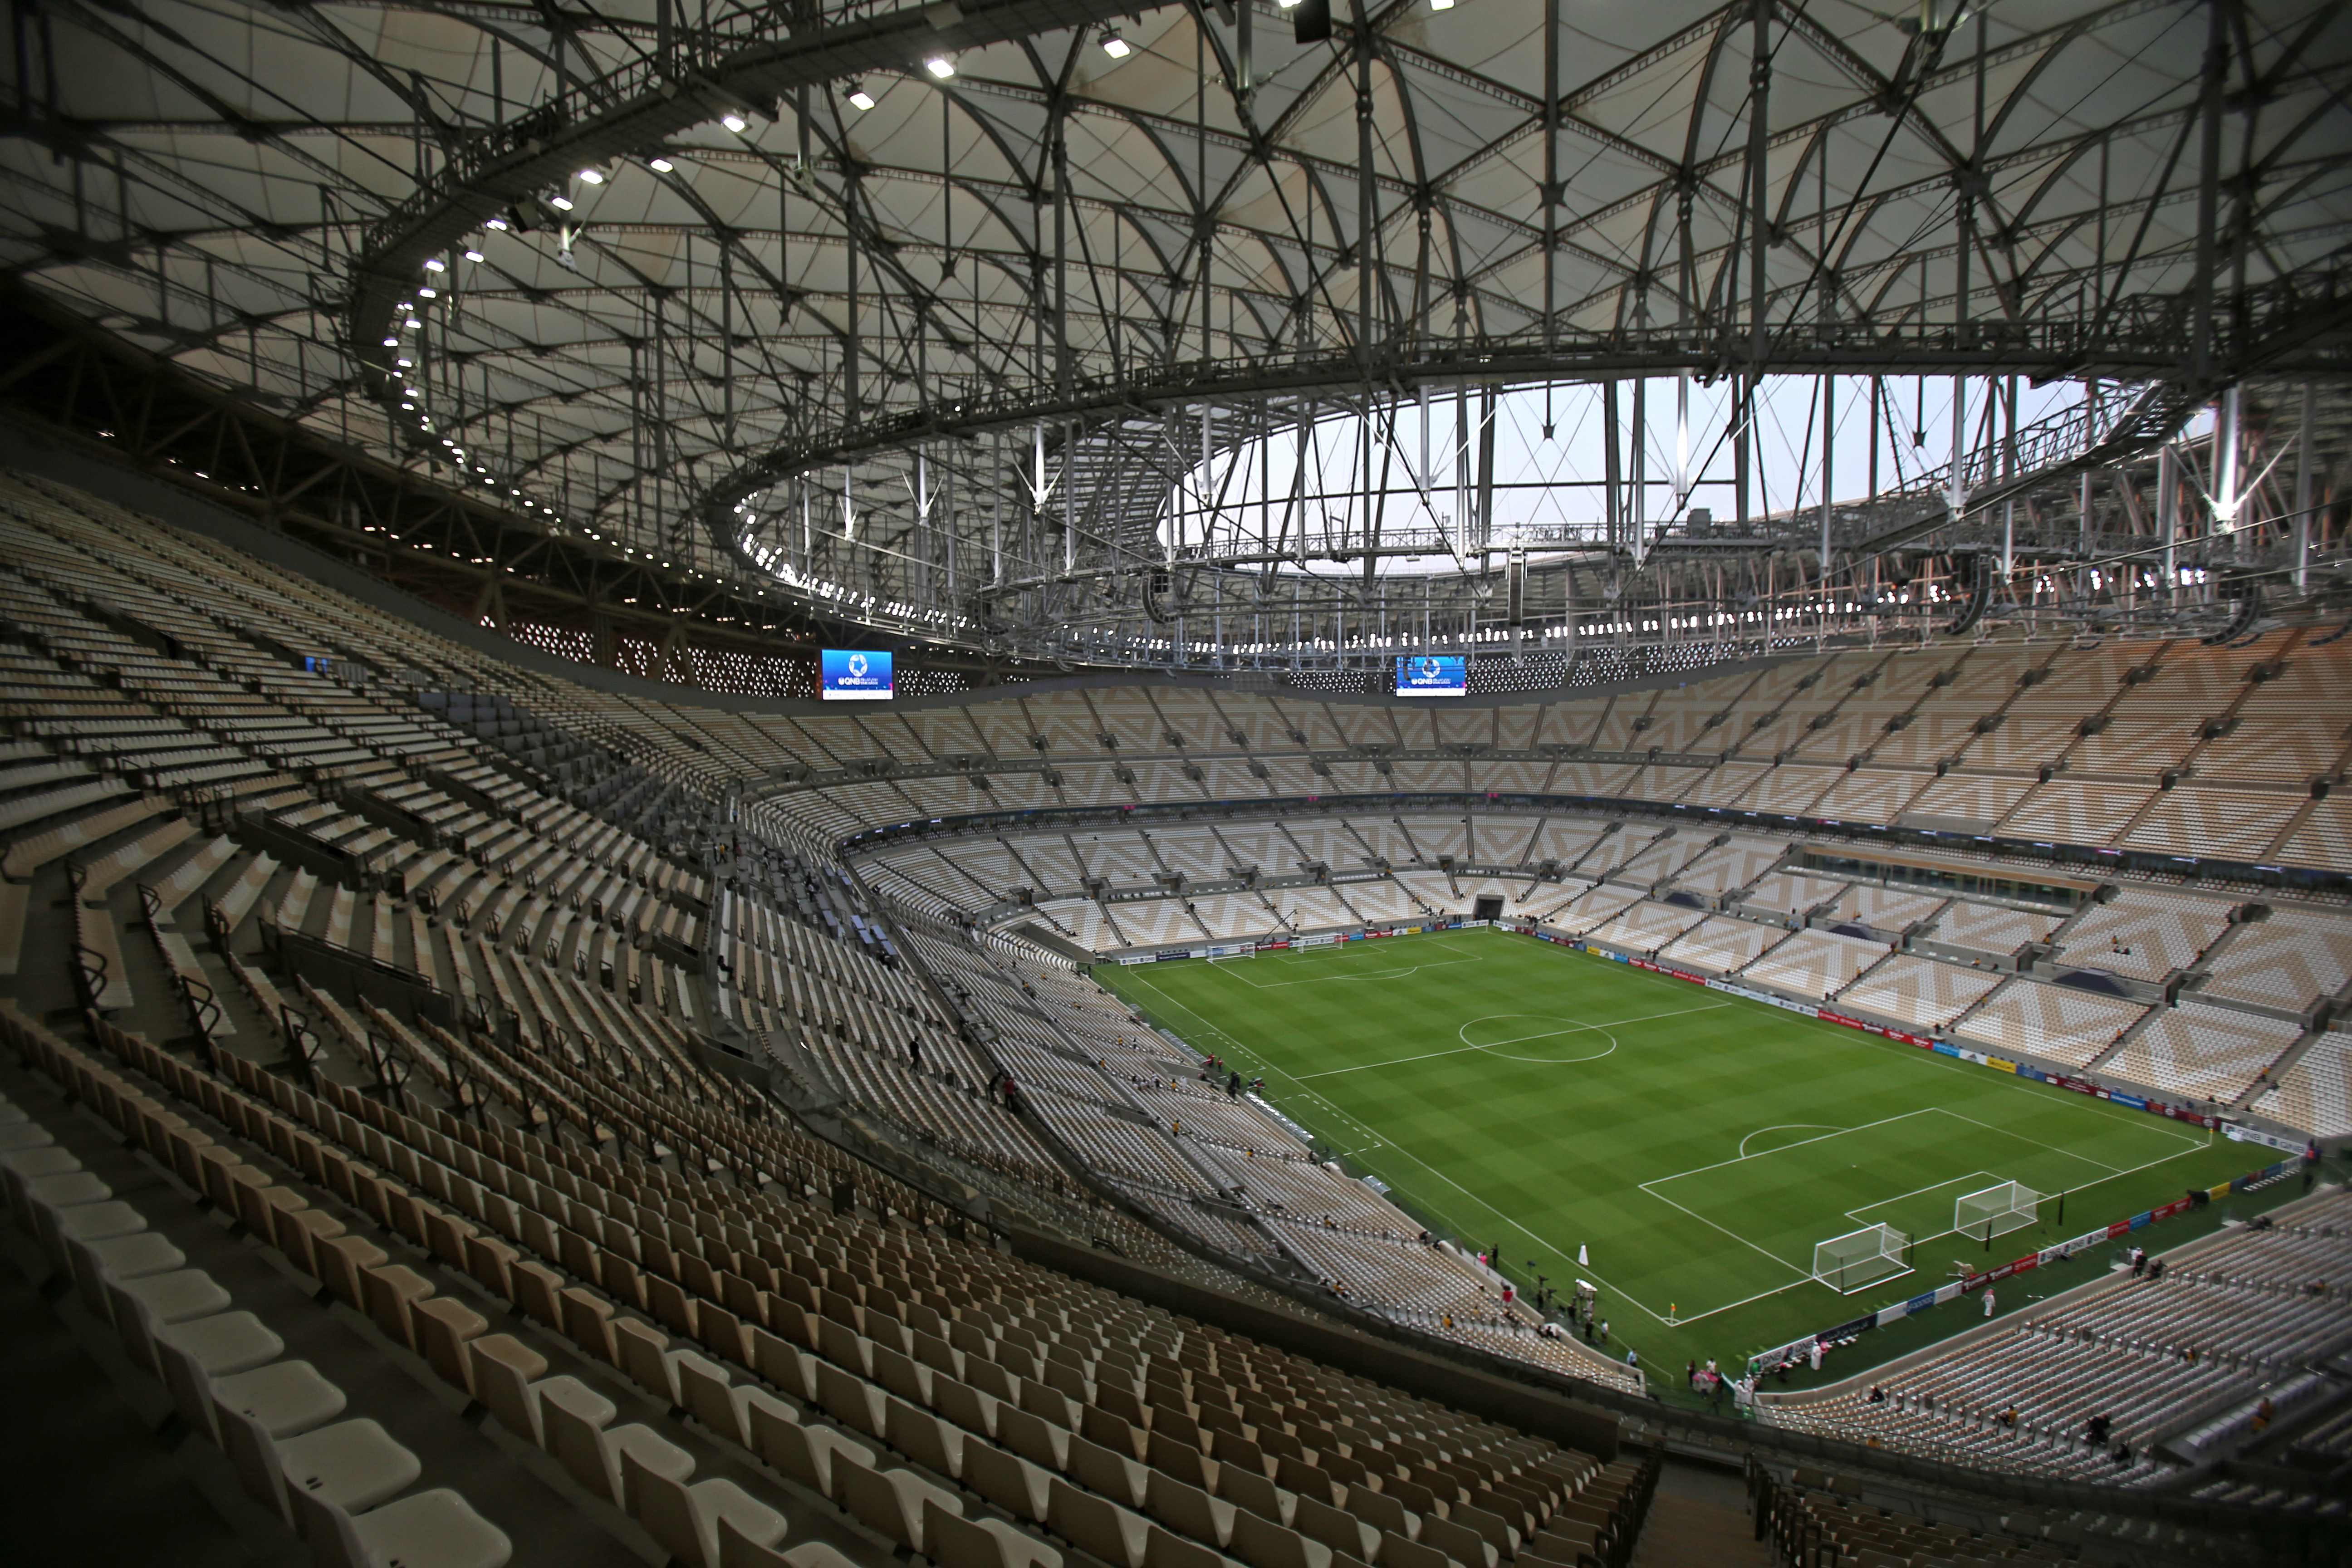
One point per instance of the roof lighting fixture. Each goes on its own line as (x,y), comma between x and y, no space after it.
(592,176)
(1117,48)
(859,99)
(406,363)
(940,66)
(391,342)
(473,255)
(660,165)
(428,294)
(499,224)
(734,122)
(559,202)
(1441,4)
(434,264)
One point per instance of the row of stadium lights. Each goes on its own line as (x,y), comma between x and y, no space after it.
(941,68)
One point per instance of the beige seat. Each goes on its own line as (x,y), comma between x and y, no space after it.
(89,1222)
(342,1260)
(722,1405)
(502,1370)
(350,1465)
(644,1354)
(592,1451)
(24,1135)
(285,1398)
(1008,1480)
(802,1453)
(925,1439)
(391,1291)
(953,1541)
(684,1517)
(219,1345)
(1097,1525)
(1163,1550)
(176,1297)
(20,1167)
(737,1549)
(132,1256)
(436,1528)
(891,1504)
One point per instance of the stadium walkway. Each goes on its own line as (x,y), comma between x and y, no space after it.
(1698,1519)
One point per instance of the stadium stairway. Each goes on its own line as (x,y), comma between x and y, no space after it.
(1698,1519)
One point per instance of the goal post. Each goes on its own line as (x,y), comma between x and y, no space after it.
(1995,1211)
(1222,950)
(1861,1259)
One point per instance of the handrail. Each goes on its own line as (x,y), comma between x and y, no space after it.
(204,1009)
(303,1047)
(91,974)
(391,1065)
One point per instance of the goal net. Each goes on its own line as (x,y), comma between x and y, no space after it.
(1995,1211)
(1862,1257)
(1223,951)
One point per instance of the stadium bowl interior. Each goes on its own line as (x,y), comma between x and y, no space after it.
(1437,785)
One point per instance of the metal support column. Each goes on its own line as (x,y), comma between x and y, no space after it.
(2302,487)
(2167,520)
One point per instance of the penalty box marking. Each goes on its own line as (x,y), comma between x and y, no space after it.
(1651,1186)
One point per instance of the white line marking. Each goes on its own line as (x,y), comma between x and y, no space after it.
(1459,1050)
(1864,1127)
(1326,979)
(1787,1127)
(1802,1274)
(2120,1117)
(1956,1181)
(2053,1148)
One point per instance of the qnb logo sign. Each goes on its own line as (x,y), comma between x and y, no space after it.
(852,675)
(1433,675)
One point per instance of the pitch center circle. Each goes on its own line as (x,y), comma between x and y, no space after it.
(1560,1041)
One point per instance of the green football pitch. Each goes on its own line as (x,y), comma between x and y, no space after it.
(1695,1146)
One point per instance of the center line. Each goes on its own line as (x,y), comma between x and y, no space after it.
(1457,1050)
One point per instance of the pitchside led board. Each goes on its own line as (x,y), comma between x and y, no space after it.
(1433,675)
(852,675)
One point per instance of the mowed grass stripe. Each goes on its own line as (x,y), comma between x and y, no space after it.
(1697,1144)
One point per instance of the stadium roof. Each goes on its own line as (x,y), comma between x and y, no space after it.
(927,310)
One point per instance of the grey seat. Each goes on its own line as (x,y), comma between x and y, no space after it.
(350,1465)
(125,1257)
(177,1296)
(436,1528)
(96,1222)
(284,1398)
(20,1166)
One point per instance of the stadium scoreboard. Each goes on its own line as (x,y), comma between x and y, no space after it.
(854,675)
(1433,675)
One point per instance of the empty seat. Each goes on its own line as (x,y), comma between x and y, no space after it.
(685,1517)
(436,1528)
(350,1465)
